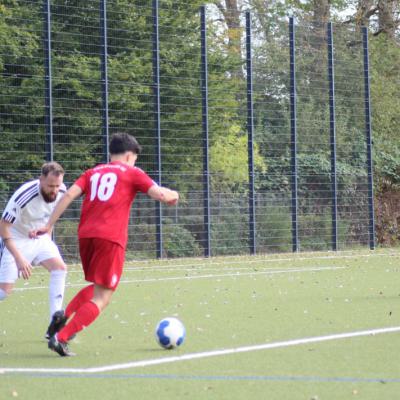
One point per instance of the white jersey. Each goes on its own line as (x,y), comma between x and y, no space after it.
(27,209)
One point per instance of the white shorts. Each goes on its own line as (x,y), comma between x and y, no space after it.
(34,250)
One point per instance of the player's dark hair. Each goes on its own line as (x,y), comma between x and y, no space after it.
(123,142)
(53,168)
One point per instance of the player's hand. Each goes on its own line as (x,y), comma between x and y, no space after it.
(24,268)
(35,233)
(175,198)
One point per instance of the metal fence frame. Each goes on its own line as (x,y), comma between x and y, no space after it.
(203,79)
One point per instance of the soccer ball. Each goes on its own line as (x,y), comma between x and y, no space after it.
(170,333)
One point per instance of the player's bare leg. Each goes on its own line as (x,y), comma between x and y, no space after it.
(102,296)
(5,290)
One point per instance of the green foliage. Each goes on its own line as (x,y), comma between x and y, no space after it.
(388,165)
(385,95)
(274,230)
(66,237)
(21,131)
(142,241)
(229,159)
(315,231)
(78,106)
(179,242)
(229,227)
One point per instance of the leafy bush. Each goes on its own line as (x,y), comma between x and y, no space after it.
(315,231)
(274,232)
(66,237)
(229,225)
(141,241)
(179,242)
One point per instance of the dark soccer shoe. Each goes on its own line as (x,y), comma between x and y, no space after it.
(59,347)
(58,322)
(72,337)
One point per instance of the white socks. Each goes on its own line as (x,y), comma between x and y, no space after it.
(56,290)
(3,294)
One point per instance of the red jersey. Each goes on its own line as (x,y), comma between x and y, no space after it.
(109,192)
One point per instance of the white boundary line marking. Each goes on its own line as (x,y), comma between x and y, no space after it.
(206,276)
(229,261)
(206,354)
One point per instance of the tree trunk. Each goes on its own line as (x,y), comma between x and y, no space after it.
(230,11)
(365,9)
(321,16)
(387,12)
(261,8)
(321,11)
(232,18)
(387,17)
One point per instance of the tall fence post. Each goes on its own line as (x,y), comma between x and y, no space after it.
(157,121)
(104,78)
(250,135)
(204,97)
(368,131)
(49,144)
(293,137)
(332,128)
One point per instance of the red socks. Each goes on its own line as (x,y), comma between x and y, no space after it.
(82,297)
(83,317)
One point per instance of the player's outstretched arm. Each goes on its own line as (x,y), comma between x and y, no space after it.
(70,195)
(163,194)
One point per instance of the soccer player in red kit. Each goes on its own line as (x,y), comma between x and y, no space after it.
(109,191)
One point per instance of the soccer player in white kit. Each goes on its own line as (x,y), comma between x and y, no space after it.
(29,208)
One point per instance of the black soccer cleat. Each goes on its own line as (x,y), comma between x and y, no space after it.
(59,347)
(72,337)
(58,322)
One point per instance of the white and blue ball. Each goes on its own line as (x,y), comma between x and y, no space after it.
(170,333)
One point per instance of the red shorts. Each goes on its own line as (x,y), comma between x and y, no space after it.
(102,261)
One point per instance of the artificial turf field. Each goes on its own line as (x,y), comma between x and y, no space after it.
(245,319)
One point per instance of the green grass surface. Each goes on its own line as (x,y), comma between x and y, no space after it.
(224,303)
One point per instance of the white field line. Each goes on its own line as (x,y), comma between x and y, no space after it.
(206,354)
(206,276)
(256,259)
(229,263)
(188,269)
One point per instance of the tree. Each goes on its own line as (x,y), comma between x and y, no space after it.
(385,16)
(22,149)
(78,104)
(231,12)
